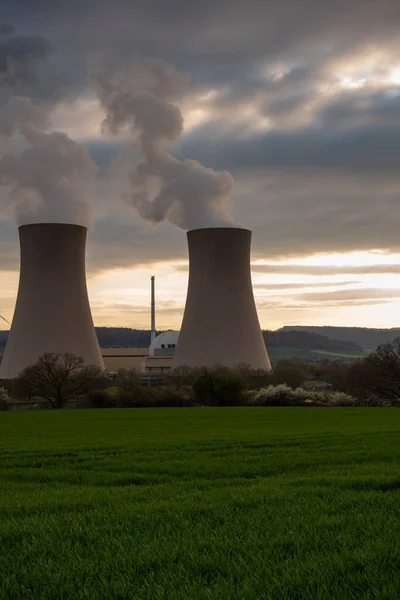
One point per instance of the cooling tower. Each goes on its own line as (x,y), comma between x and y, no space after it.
(220,323)
(52,312)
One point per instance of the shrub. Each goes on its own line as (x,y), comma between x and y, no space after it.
(94,379)
(164,396)
(186,391)
(147,397)
(4,399)
(341,399)
(138,397)
(219,389)
(280,395)
(100,399)
(127,381)
(283,395)
(185,375)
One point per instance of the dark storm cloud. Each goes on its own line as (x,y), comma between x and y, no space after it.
(7,29)
(362,108)
(19,55)
(362,150)
(221,33)
(18,50)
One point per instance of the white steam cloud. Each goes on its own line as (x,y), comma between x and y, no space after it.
(44,176)
(142,96)
(48,180)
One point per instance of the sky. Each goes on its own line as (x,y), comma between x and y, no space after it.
(298,100)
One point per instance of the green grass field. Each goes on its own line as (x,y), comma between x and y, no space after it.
(208,503)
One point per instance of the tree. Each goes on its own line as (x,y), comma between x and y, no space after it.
(338,375)
(127,381)
(219,388)
(130,392)
(58,378)
(378,374)
(289,372)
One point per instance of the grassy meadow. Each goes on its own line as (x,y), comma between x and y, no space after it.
(207,503)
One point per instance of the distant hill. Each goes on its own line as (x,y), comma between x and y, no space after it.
(366,337)
(124,337)
(305,340)
(110,337)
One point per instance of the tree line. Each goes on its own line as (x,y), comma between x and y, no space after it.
(56,380)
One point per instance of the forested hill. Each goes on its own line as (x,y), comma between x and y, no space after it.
(307,341)
(111,337)
(367,338)
(124,337)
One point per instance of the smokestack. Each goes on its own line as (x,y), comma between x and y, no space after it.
(220,323)
(153,311)
(52,312)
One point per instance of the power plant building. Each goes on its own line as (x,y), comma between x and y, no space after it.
(52,312)
(220,323)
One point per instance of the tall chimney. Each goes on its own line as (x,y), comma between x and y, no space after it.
(52,313)
(153,310)
(220,323)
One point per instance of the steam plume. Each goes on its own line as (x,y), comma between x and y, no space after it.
(46,176)
(47,180)
(142,97)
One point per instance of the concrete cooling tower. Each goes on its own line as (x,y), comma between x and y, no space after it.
(220,323)
(52,312)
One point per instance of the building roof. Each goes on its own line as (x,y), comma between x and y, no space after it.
(165,340)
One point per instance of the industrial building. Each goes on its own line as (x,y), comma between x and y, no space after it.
(52,312)
(124,358)
(164,344)
(220,323)
(137,359)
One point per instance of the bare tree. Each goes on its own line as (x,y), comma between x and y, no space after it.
(58,378)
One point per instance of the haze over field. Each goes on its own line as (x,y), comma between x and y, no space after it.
(279,116)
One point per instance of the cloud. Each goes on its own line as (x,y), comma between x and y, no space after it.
(292,286)
(104,314)
(121,241)
(299,100)
(9,250)
(18,57)
(311,306)
(297,213)
(356,295)
(365,150)
(321,271)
